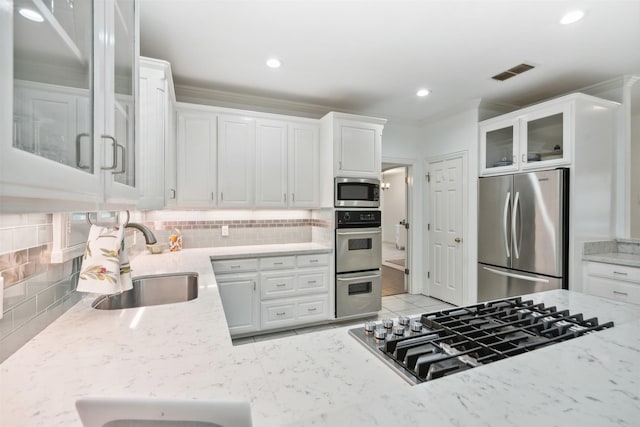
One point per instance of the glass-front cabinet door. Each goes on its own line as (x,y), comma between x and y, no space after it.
(546,137)
(51,142)
(119,135)
(499,147)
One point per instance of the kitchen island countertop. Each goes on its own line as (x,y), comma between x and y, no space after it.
(323,378)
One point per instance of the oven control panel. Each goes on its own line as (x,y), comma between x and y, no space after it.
(358,218)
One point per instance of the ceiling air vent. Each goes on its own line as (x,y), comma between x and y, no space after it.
(512,72)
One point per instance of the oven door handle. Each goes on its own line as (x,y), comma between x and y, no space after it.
(353,233)
(351,279)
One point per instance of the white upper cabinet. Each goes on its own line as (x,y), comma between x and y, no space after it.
(271,163)
(236,160)
(156,106)
(197,157)
(287,164)
(358,149)
(538,137)
(69,115)
(304,164)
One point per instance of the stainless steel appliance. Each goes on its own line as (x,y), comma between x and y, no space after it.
(444,342)
(522,233)
(356,193)
(358,261)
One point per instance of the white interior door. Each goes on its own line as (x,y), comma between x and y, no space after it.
(445,229)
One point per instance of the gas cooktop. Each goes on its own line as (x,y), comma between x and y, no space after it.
(444,342)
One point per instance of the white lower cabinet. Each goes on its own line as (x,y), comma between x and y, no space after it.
(240,301)
(272,292)
(613,281)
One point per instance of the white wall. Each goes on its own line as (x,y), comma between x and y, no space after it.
(456,133)
(635,168)
(393,203)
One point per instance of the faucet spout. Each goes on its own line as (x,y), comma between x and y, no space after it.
(149,238)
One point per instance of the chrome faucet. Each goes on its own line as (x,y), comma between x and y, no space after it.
(149,238)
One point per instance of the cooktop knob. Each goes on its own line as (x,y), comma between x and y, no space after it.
(416,326)
(398,331)
(380,333)
(369,326)
(403,320)
(387,323)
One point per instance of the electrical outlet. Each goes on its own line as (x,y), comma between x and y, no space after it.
(225,230)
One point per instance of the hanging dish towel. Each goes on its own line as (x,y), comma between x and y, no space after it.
(105,265)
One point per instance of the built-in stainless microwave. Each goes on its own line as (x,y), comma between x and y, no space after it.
(357,193)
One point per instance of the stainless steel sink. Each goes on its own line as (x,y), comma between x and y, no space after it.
(152,290)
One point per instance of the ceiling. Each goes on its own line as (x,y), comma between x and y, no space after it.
(371,56)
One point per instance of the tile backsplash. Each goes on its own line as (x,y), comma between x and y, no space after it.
(36,292)
(204,228)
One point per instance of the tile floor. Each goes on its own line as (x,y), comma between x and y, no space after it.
(392,306)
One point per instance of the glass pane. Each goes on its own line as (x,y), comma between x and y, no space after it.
(124,108)
(499,149)
(544,138)
(53,55)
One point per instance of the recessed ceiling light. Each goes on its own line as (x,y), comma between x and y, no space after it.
(571,17)
(31,14)
(423,92)
(274,63)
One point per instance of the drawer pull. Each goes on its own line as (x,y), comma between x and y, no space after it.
(312,309)
(311,282)
(620,273)
(282,313)
(313,260)
(278,263)
(234,266)
(279,285)
(620,293)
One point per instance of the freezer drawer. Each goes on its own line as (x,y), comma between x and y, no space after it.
(496,282)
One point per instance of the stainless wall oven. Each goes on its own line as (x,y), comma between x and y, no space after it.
(356,193)
(358,261)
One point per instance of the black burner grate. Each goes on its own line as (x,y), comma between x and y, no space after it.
(458,339)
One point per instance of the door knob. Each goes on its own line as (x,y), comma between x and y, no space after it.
(457,240)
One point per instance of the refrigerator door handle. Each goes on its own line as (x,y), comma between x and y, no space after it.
(505,218)
(514,217)
(517,276)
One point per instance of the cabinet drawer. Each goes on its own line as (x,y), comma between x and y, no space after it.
(614,289)
(312,308)
(314,280)
(235,265)
(272,314)
(612,271)
(313,260)
(273,263)
(277,285)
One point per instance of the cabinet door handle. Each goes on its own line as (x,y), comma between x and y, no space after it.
(293,197)
(78,152)
(285,197)
(172,193)
(620,293)
(254,285)
(221,196)
(524,158)
(114,163)
(620,273)
(124,160)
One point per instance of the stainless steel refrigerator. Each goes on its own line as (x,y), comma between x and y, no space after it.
(522,233)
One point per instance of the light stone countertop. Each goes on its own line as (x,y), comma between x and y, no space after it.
(323,378)
(618,258)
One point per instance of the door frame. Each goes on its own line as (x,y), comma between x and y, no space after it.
(466,238)
(410,259)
